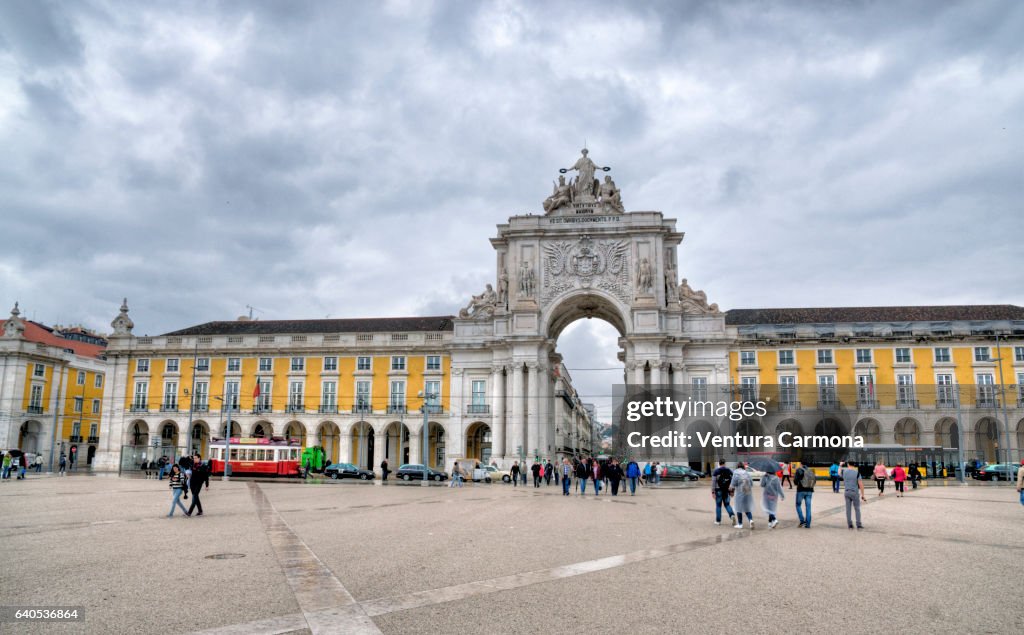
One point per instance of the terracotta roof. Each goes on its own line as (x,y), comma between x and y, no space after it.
(826,315)
(359,325)
(35,332)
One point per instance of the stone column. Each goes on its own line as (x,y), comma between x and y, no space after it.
(515,427)
(533,437)
(655,373)
(638,373)
(379,445)
(416,445)
(497,412)
(345,447)
(545,413)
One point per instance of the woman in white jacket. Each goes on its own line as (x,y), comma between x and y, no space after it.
(742,490)
(771,494)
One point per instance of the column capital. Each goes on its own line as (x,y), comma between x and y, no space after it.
(497,369)
(532,366)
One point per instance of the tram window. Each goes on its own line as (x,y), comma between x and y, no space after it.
(259,455)
(234,454)
(294,454)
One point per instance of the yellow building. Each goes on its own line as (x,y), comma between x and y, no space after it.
(894,375)
(52,379)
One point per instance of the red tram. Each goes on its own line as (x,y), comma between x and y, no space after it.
(257,456)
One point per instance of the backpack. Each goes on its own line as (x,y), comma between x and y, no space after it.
(724,479)
(807,478)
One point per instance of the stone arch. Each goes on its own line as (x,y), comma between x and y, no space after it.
(908,431)
(329,436)
(236,429)
(868,429)
(262,429)
(478,442)
(29,436)
(698,456)
(169,433)
(1020,439)
(831,427)
(947,433)
(296,430)
(437,437)
(361,443)
(986,439)
(201,438)
(138,433)
(584,303)
(396,444)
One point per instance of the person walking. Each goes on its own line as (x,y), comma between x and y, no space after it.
(456,476)
(566,476)
(880,474)
(39,463)
(548,469)
(162,467)
(1020,482)
(647,473)
(582,474)
(177,485)
(514,474)
(200,476)
(786,473)
(632,473)
(898,479)
(771,494)
(384,471)
(853,492)
(6,466)
(742,490)
(614,474)
(537,472)
(805,480)
(914,475)
(63,464)
(16,462)
(656,473)
(596,472)
(721,481)
(833,473)
(23,466)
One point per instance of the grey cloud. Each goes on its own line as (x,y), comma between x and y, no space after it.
(39,32)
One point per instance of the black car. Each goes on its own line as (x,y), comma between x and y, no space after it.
(680,473)
(347,470)
(417,472)
(997,472)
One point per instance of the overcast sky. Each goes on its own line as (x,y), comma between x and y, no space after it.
(351,159)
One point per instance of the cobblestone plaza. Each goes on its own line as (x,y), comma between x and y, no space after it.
(286,557)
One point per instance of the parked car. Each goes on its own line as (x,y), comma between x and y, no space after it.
(347,470)
(997,472)
(679,473)
(418,471)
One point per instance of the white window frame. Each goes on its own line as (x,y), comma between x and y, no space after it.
(202,365)
(330,364)
(201,398)
(234,365)
(297,365)
(266,365)
(1018,355)
(947,354)
(142,365)
(699,388)
(95,407)
(396,398)
(986,351)
(828,353)
(175,362)
(329,394)
(35,399)
(143,393)
(398,363)
(369,362)
(435,393)
(79,404)
(97,382)
(296,393)
(231,392)
(791,354)
(39,370)
(80,378)
(870,356)
(364,398)
(478,398)
(896,355)
(430,365)
(170,399)
(744,361)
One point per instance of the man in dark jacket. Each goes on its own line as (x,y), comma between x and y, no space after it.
(582,474)
(613,472)
(535,468)
(200,476)
(384,471)
(805,479)
(514,474)
(548,469)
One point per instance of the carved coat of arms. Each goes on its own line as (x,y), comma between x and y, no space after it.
(586,263)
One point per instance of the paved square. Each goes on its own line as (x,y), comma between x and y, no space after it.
(282,557)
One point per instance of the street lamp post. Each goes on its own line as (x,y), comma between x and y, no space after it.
(192,396)
(226,405)
(427,397)
(1002,397)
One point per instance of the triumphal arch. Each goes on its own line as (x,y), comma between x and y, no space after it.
(582,256)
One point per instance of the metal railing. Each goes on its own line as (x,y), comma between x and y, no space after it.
(434,409)
(362,408)
(94,439)
(295,407)
(478,409)
(168,407)
(35,410)
(139,407)
(328,409)
(75,438)
(395,409)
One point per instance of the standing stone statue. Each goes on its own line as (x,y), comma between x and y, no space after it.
(671,291)
(503,289)
(526,280)
(644,276)
(586,184)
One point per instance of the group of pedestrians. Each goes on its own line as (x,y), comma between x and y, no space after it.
(17,463)
(737,486)
(189,474)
